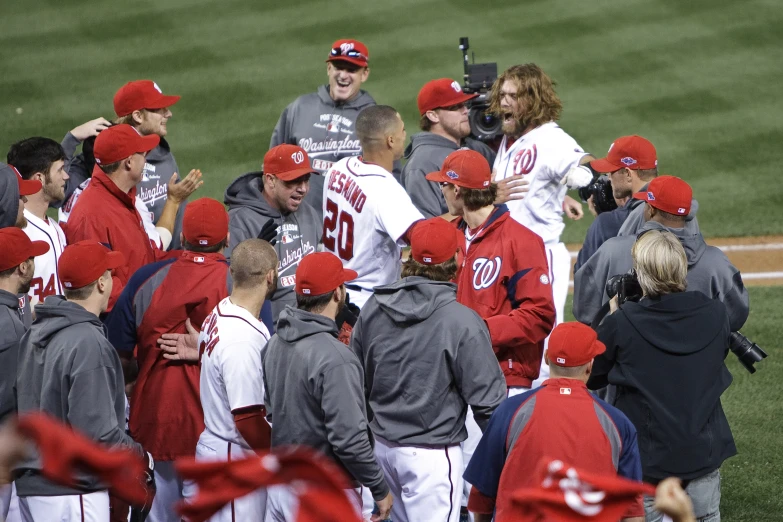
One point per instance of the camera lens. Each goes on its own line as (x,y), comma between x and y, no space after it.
(482,124)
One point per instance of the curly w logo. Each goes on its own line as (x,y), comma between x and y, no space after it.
(485,272)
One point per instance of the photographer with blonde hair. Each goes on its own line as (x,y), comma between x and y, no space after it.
(665,355)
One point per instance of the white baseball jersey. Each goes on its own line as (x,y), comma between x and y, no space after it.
(366,212)
(46,280)
(544,156)
(231,343)
(146,216)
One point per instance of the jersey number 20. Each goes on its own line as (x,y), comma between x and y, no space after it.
(342,222)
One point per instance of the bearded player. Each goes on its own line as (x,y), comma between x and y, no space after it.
(535,147)
(231,343)
(368,216)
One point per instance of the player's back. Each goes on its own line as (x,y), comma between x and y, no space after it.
(366,212)
(230,337)
(45,280)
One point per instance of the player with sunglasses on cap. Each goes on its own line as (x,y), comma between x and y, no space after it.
(323,122)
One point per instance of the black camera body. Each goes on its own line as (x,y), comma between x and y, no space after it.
(478,79)
(601,191)
(625,286)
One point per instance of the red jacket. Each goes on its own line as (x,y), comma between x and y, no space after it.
(504,278)
(108,215)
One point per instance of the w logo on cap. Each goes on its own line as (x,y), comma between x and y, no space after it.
(456,87)
(298,157)
(345,47)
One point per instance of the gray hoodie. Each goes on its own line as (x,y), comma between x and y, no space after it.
(69,370)
(11,331)
(709,272)
(298,234)
(314,397)
(9,196)
(326,130)
(426,153)
(159,166)
(426,359)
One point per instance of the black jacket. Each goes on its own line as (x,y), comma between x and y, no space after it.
(666,358)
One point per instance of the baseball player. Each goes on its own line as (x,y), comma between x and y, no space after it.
(232,341)
(535,147)
(368,215)
(42,159)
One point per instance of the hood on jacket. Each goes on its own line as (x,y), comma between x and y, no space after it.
(247,191)
(428,139)
(160,152)
(414,299)
(661,319)
(295,324)
(694,244)
(360,102)
(55,314)
(9,196)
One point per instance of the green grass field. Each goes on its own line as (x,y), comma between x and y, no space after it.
(699,78)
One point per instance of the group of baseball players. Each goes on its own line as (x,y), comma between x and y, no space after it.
(293,312)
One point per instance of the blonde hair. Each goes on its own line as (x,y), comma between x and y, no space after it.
(535,92)
(660,263)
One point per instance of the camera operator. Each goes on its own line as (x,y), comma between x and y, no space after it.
(668,202)
(445,125)
(665,354)
(631,164)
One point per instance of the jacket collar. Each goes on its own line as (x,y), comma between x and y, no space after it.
(100,177)
(202,258)
(500,214)
(564,382)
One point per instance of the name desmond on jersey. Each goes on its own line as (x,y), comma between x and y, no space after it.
(345,186)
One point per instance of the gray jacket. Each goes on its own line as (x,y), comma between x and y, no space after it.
(709,272)
(69,370)
(9,196)
(11,331)
(426,153)
(299,233)
(159,166)
(313,386)
(426,359)
(326,130)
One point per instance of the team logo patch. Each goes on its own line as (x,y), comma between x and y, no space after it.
(681,210)
(427,259)
(565,391)
(202,241)
(306,291)
(628,160)
(452,175)
(560,360)
(525,160)
(485,272)
(486,183)
(456,87)
(345,47)
(68,284)
(650,196)
(544,279)
(198,259)
(298,157)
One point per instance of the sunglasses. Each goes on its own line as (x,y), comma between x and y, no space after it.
(350,54)
(444,184)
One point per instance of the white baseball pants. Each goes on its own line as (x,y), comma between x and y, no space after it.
(282,505)
(90,507)
(559,273)
(426,483)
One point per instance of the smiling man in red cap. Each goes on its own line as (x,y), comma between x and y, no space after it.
(323,123)
(666,206)
(426,358)
(444,121)
(70,371)
(270,205)
(561,419)
(158,299)
(142,105)
(308,371)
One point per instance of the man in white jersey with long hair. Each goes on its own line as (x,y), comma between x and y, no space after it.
(534,146)
(231,343)
(368,216)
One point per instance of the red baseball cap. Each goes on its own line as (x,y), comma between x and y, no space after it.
(351,51)
(84,262)
(287,162)
(205,222)
(465,168)
(633,152)
(434,241)
(121,141)
(321,272)
(16,247)
(27,187)
(669,194)
(444,92)
(573,344)
(141,94)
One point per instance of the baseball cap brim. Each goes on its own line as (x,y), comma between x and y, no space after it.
(147,143)
(603,165)
(359,62)
(349,275)
(439,177)
(163,102)
(28,187)
(114,260)
(39,248)
(291,175)
(641,196)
